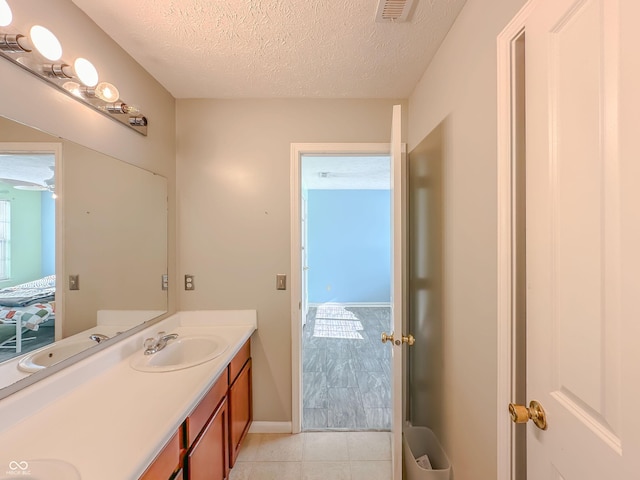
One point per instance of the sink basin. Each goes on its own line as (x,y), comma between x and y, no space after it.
(53,353)
(44,469)
(183,352)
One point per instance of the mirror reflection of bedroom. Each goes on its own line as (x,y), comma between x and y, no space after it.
(27,252)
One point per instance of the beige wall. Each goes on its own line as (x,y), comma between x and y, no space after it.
(458,92)
(28,100)
(233,212)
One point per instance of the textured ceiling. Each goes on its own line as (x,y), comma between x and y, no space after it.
(29,168)
(276,48)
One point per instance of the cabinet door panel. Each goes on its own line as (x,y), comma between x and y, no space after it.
(207,459)
(240,411)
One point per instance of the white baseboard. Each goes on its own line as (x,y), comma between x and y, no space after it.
(270,427)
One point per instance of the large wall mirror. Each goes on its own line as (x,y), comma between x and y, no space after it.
(83,249)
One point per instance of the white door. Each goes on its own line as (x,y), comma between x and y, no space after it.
(582,366)
(396,327)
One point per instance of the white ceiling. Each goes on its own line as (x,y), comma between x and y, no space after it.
(276,48)
(346,172)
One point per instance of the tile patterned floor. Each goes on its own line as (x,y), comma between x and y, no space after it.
(346,372)
(315,456)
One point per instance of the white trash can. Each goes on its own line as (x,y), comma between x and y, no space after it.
(419,442)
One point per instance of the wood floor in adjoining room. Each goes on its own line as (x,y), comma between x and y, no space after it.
(346,372)
(315,456)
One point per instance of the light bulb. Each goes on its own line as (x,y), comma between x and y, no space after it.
(46,43)
(86,72)
(5,14)
(132,109)
(73,88)
(107,92)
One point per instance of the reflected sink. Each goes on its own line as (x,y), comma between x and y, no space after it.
(53,353)
(44,469)
(183,352)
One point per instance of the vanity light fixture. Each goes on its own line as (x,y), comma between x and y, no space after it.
(138,121)
(73,88)
(86,72)
(13,43)
(58,70)
(107,92)
(41,54)
(5,14)
(120,107)
(46,43)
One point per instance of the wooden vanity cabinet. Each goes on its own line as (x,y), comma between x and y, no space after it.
(207,444)
(207,458)
(206,433)
(167,461)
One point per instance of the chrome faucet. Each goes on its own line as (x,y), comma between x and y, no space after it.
(157,343)
(98,337)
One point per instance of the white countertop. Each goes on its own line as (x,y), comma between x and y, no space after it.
(113,425)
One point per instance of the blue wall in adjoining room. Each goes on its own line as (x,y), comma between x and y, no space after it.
(349,246)
(48,219)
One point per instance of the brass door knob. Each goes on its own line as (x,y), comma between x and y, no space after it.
(386,338)
(409,340)
(535,412)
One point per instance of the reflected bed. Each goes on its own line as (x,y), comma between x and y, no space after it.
(26,306)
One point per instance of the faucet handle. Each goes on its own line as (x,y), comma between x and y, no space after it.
(149,342)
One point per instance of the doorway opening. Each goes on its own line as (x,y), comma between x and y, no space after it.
(345,255)
(27,248)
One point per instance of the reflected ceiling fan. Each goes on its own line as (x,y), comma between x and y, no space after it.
(47,185)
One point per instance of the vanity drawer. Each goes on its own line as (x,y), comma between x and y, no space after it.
(200,416)
(239,360)
(167,461)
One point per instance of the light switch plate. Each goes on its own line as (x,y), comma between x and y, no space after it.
(74,282)
(281,281)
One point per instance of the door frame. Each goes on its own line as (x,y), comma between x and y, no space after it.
(297,151)
(506,144)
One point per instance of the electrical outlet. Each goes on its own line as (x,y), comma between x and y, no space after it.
(188,282)
(165,282)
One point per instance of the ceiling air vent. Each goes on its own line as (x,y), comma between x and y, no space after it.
(394,10)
